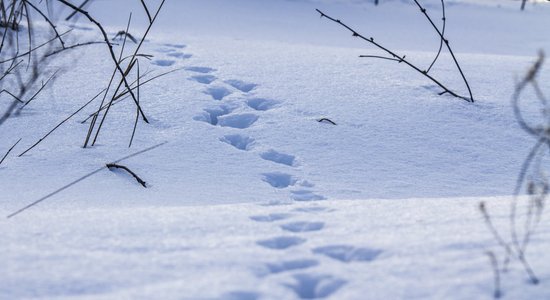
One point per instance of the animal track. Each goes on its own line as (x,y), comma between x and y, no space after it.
(279,158)
(241,295)
(163,62)
(305,195)
(239,121)
(282,242)
(279,180)
(313,209)
(204,70)
(303,226)
(242,86)
(306,183)
(291,265)
(241,142)
(309,286)
(218,93)
(211,115)
(177,46)
(262,104)
(83,28)
(204,79)
(347,254)
(179,55)
(271,217)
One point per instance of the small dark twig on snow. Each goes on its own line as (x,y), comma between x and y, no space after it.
(115,166)
(326,120)
(79,180)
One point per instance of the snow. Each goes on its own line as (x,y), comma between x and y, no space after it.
(355,249)
(250,197)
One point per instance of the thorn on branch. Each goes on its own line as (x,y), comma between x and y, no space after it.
(115,166)
(321,13)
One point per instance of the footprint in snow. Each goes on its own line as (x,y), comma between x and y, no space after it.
(346,254)
(83,28)
(262,104)
(179,55)
(303,226)
(313,286)
(279,180)
(281,242)
(239,121)
(212,115)
(279,158)
(271,217)
(204,79)
(305,195)
(176,46)
(240,295)
(240,142)
(203,70)
(313,209)
(218,92)
(287,266)
(242,86)
(164,62)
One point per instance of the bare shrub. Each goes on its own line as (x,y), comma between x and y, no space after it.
(531,180)
(393,56)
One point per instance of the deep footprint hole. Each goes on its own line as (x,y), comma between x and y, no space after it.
(204,79)
(241,142)
(303,226)
(346,253)
(279,180)
(239,121)
(242,86)
(212,115)
(279,158)
(218,93)
(262,104)
(282,242)
(311,286)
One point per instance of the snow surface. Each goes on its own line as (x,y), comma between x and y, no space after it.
(246,198)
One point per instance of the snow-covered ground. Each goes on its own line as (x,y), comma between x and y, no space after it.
(252,198)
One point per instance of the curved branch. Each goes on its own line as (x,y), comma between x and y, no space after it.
(394,55)
(115,166)
(423,10)
(442,34)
